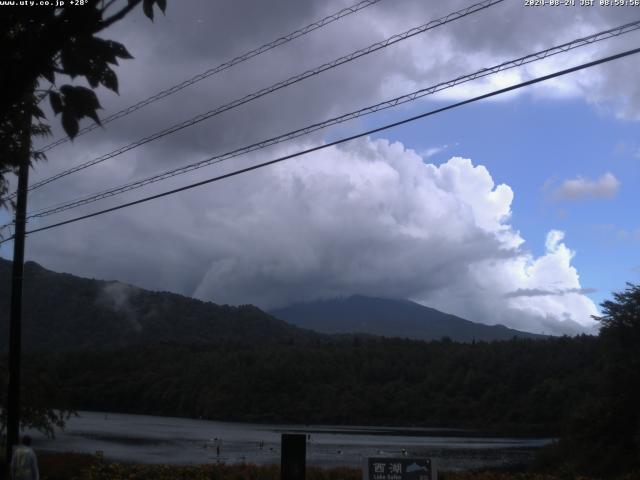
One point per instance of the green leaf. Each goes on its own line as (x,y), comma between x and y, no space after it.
(47,73)
(80,102)
(36,112)
(69,123)
(101,50)
(56,102)
(93,77)
(38,156)
(83,99)
(40,129)
(147,7)
(68,62)
(110,80)
(93,115)
(119,50)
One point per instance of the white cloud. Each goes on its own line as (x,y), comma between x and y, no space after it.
(490,279)
(467,46)
(580,188)
(373,218)
(430,152)
(370,217)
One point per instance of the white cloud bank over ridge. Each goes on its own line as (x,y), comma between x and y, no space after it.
(372,218)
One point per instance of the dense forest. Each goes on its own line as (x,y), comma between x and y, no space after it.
(520,386)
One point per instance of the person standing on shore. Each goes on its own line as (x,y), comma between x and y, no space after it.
(24,464)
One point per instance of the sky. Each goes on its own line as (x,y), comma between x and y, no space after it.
(515,210)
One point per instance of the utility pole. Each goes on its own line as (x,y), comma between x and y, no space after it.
(15,321)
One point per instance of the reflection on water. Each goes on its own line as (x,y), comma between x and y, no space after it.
(148,439)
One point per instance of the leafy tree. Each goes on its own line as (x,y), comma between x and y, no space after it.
(40,391)
(620,334)
(603,433)
(40,44)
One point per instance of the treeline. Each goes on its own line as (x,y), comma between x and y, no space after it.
(518,386)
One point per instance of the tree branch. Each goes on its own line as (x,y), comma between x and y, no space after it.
(116,16)
(107,6)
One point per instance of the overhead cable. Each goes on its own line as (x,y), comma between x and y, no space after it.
(277,86)
(533,57)
(223,66)
(342,140)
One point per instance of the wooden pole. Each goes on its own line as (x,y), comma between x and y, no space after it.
(15,320)
(293,456)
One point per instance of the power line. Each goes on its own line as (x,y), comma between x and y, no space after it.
(342,140)
(223,66)
(540,55)
(277,86)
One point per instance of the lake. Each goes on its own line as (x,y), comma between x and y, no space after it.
(150,439)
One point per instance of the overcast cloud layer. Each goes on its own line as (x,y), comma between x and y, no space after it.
(370,217)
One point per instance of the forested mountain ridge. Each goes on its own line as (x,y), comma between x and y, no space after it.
(391,318)
(66,312)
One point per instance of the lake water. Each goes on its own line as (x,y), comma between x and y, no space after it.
(149,439)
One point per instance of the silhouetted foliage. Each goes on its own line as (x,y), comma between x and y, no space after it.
(37,45)
(39,390)
(620,333)
(603,432)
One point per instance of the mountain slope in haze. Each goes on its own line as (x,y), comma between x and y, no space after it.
(65,312)
(390,318)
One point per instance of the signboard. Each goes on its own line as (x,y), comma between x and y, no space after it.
(402,468)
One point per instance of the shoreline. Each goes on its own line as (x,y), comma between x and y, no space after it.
(516,432)
(153,440)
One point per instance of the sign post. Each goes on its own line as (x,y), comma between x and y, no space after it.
(293,457)
(402,468)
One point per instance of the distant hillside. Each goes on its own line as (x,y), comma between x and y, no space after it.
(390,318)
(65,312)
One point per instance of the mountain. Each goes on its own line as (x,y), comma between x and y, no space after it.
(65,312)
(390,318)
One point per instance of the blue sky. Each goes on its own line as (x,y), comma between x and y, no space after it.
(533,145)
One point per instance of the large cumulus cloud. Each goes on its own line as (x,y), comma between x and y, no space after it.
(373,218)
(369,217)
